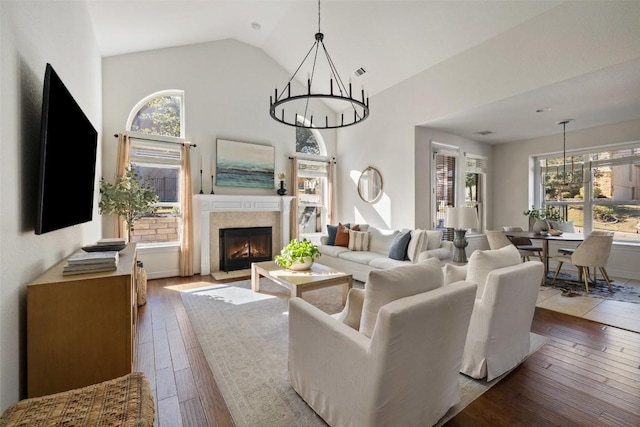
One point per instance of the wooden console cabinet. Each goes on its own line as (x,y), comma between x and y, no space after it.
(81,328)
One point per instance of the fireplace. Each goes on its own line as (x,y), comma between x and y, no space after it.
(239,247)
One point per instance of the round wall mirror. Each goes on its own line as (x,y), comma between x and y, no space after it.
(370,185)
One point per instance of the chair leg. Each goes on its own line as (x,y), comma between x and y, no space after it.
(557,271)
(585,274)
(606,277)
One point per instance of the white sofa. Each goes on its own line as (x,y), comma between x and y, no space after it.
(422,245)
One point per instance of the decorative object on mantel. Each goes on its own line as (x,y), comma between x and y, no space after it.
(282,191)
(300,104)
(212,185)
(460,219)
(241,164)
(201,192)
(298,255)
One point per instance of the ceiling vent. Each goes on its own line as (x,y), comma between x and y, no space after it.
(484,132)
(359,72)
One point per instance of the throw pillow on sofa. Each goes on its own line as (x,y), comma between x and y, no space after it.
(332,230)
(398,249)
(384,286)
(342,236)
(358,240)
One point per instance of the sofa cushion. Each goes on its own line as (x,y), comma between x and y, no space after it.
(380,240)
(440,253)
(330,250)
(398,249)
(389,285)
(361,257)
(417,244)
(358,240)
(454,273)
(434,239)
(385,262)
(481,263)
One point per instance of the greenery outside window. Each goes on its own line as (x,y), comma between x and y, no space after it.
(600,191)
(474,186)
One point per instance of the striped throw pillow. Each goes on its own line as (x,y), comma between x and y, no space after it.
(358,240)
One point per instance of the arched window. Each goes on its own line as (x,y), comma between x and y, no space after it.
(155,124)
(312,180)
(309,141)
(161,113)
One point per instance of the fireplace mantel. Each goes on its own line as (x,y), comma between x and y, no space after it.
(208,203)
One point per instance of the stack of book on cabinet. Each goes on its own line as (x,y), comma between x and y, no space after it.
(90,262)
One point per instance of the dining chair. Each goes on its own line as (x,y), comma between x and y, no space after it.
(497,239)
(593,252)
(524,245)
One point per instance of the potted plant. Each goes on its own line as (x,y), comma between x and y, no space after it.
(298,255)
(539,218)
(130,197)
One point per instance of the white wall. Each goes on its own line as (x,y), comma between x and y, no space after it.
(227,85)
(32,34)
(570,40)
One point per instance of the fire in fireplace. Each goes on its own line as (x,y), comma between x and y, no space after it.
(239,247)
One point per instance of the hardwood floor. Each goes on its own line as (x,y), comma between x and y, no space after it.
(587,375)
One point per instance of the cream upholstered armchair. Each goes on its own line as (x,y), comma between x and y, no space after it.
(497,239)
(498,338)
(406,372)
(524,244)
(592,252)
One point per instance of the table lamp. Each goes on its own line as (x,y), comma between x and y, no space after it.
(460,219)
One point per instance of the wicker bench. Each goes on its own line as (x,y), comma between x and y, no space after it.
(124,402)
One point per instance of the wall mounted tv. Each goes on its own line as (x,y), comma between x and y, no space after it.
(68,148)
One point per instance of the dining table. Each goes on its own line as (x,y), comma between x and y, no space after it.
(564,237)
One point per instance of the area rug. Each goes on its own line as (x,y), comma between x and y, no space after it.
(244,336)
(571,286)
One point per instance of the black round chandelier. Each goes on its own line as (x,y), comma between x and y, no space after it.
(299,112)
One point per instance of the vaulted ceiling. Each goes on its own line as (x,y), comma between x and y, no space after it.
(391,40)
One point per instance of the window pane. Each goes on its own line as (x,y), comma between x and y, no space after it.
(160,116)
(445,186)
(623,220)
(305,142)
(310,204)
(164,180)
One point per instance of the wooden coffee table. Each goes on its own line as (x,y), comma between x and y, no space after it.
(319,276)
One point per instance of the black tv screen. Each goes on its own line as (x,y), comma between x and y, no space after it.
(68,144)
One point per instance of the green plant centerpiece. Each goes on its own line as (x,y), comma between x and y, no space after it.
(538,218)
(131,197)
(297,255)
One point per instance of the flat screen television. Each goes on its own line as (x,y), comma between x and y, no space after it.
(68,149)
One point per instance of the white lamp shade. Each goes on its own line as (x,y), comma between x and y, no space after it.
(461,218)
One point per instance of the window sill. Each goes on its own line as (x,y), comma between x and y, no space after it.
(158,247)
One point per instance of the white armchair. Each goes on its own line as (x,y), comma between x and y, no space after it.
(405,374)
(498,338)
